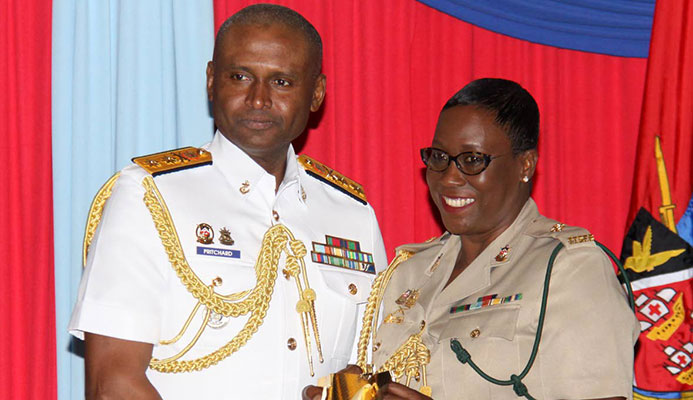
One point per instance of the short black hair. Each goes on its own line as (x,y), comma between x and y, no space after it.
(514,108)
(264,14)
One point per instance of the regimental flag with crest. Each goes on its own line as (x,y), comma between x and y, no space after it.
(656,258)
(660,266)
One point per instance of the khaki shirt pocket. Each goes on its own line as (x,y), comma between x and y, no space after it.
(489,335)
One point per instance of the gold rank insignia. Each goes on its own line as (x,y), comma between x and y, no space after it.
(174,160)
(408,298)
(332,177)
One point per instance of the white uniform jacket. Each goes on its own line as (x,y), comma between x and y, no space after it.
(130,291)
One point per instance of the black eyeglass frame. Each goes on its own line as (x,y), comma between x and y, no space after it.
(486,157)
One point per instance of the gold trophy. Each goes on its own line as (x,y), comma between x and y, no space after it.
(352,386)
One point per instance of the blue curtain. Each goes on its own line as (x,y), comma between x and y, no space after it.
(122,72)
(614,27)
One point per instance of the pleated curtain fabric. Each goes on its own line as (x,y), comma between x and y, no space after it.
(27,314)
(390,66)
(128,80)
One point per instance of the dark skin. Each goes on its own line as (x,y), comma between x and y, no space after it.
(477,208)
(263,86)
(314,392)
(496,195)
(115,369)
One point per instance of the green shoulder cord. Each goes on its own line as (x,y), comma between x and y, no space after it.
(516,380)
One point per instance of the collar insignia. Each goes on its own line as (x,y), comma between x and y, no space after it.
(503,255)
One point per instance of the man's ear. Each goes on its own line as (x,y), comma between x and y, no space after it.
(318,93)
(210,79)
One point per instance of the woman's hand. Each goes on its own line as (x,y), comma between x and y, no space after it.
(311,392)
(396,391)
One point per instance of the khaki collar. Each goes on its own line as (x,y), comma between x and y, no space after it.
(478,274)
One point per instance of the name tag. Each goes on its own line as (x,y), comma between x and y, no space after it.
(211,251)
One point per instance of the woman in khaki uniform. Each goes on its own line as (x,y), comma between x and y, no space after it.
(479,286)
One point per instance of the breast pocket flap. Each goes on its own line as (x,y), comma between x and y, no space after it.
(354,286)
(499,322)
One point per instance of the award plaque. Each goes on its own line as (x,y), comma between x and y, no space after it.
(351,386)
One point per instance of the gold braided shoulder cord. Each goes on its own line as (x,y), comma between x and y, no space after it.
(371,314)
(255,301)
(94,216)
(412,356)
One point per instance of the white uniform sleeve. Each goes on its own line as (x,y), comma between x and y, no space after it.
(120,294)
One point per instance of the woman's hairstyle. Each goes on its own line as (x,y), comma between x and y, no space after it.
(515,109)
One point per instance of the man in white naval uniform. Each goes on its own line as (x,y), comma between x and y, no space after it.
(183,296)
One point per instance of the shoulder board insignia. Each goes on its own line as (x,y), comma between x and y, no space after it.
(328,175)
(174,160)
(570,236)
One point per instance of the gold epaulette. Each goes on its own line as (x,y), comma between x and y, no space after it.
(174,160)
(332,177)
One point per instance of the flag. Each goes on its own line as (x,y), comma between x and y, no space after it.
(659,265)
(658,259)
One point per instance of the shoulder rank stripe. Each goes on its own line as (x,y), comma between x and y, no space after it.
(174,160)
(332,177)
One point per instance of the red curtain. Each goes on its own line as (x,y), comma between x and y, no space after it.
(667,111)
(27,333)
(390,66)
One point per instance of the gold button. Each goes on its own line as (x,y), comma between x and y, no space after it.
(286,274)
(275,215)
(291,344)
(376,346)
(353,289)
(217,281)
(475,333)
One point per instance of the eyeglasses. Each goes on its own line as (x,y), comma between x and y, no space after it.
(468,162)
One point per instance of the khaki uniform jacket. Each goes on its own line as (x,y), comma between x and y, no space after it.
(493,306)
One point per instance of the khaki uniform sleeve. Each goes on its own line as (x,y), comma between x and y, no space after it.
(587,348)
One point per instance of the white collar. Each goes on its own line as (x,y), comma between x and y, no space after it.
(240,170)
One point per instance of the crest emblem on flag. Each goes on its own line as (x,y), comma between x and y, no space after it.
(661,281)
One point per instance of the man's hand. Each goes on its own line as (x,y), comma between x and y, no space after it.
(311,392)
(115,369)
(396,391)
